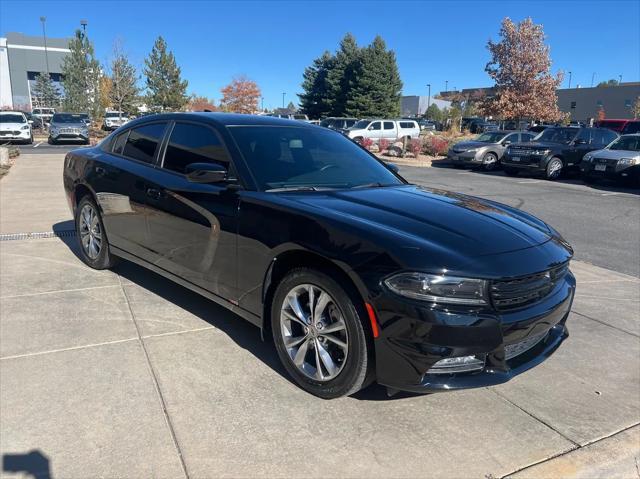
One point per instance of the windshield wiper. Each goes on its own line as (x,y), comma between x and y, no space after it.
(292,188)
(376,184)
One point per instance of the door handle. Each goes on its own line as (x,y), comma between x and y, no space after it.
(154,193)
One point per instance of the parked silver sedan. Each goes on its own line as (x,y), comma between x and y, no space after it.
(620,161)
(486,150)
(69,127)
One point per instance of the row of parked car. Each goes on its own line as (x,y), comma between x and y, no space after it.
(555,151)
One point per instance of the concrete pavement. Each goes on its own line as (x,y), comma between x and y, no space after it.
(124,374)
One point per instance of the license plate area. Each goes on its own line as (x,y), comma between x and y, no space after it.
(601,167)
(515,158)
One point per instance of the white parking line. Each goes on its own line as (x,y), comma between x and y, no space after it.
(529,182)
(37,144)
(609,194)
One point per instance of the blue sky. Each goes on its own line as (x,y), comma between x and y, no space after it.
(272,42)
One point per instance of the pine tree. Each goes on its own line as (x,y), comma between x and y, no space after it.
(165,88)
(81,76)
(316,99)
(375,85)
(124,91)
(340,75)
(45,92)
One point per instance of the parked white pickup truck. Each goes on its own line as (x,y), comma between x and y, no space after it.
(387,129)
(114,120)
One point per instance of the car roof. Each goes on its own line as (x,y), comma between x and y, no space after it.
(224,119)
(9,112)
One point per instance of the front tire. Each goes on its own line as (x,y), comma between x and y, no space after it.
(94,246)
(319,335)
(490,162)
(554,169)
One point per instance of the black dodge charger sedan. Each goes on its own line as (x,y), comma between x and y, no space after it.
(356,275)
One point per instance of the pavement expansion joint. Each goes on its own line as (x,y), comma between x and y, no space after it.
(37,235)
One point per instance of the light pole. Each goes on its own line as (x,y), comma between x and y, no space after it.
(569,79)
(619,79)
(44,35)
(446,85)
(428,99)
(262,103)
(83,24)
(283,94)
(593,76)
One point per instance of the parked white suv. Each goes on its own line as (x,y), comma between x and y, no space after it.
(14,126)
(44,114)
(114,120)
(388,129)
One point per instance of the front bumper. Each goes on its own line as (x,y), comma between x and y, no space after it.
(414,337)
(464,158)
(15,135)
(69,136)
(524,163)
(612,171)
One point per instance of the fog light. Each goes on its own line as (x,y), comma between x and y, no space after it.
(457,365)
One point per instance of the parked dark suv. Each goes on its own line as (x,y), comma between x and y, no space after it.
(555,150)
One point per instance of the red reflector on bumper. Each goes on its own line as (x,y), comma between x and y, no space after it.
(372,320)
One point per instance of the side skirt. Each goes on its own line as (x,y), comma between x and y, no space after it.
(252,318)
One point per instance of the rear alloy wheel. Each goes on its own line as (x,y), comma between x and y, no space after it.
(490,162)
(94,246)
(318,334)
(554,169)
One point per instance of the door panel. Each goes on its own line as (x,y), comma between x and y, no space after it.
(192,229)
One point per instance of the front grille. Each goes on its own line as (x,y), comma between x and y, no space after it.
(9,132)
(518,151)
(519,292)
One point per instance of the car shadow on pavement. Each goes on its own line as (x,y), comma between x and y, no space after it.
(31,464)
(240,331)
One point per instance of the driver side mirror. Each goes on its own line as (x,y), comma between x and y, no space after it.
(506,142)
(393,167)
(579,141)
(205,173)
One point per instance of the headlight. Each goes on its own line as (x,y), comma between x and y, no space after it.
(628,161)
(25,127)
(587,158)
(439,288)
(540,152)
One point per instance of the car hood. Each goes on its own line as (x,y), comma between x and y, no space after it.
(615,154)
(467,145)
(80,124)
(547,145)
(12,126)
(431,218)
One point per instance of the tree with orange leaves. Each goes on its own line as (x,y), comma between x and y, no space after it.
(240,96)
(520,66)
(200,103)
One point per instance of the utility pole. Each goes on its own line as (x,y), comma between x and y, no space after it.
(569,79)
(428,99)
(44,35)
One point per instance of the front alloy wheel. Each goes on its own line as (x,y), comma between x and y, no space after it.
(319,334)
(314,332)
(554,169)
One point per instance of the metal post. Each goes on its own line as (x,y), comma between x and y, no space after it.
(446,85)
(44,35)
(619,79)
(569,79)
(262,103)
(593,75)
(428,100)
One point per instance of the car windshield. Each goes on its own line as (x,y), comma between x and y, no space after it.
(361,124)
(113,114)
(307,158)
(326,123)
(492,137)
(66,118)
(626,143)
(557,135)
(12,118)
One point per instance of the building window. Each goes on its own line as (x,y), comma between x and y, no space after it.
(573,105)
(599,103)
(627,103)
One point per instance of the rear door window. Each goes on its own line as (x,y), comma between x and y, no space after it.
(602,138)
(388,125)
(376,125)
(190,143)
(142,143)
(119,142)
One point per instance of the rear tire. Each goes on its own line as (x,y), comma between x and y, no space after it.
(94,246)
(323,347)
